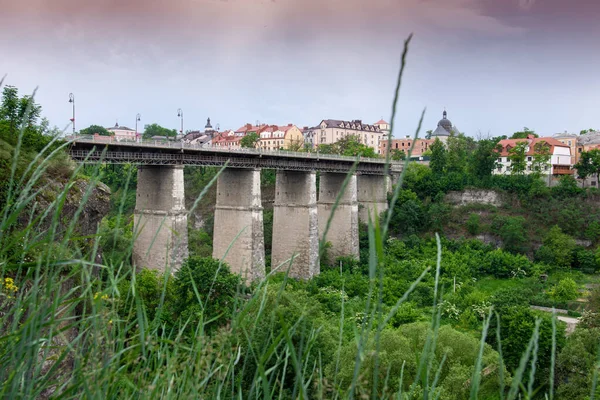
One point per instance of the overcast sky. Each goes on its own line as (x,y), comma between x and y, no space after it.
(495,65)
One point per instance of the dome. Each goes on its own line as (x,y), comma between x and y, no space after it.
(208,125)
(445,123)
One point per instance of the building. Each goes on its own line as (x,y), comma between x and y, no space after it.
(226,139)
(560,162)
(384,127)
(444,129)
(421,146)
(330,131)
(571,140)
(202,139)
(286,137)
(122,133)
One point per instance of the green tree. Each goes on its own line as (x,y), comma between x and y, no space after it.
(398,155)
(576,363)
(589,164)
(517,158)
(565,290)
(20,112)
(516,328)
(204,289)
(437,161)
(557,248)
(541,157)
(472,224)
(95,129)
(524,134)
(484,158)
(459,149)
(348,146)
(157,130)
(250,140)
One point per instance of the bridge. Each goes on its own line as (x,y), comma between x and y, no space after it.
(299,216)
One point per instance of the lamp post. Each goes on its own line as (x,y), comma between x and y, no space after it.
(72,100)
(180,114)
(137,119)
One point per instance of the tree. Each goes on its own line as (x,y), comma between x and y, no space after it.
(95,129)
(585,131)
(216,287)
(459,148)
(557,248)
(19,112)
(484,158)
(398,155)
(524,134)
(541,157)
(437,161)
(516,328)
(157,130)
(589,164)
(250,140)
(348,146)
(517,158)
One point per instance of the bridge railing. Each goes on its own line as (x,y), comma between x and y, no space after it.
(102,140)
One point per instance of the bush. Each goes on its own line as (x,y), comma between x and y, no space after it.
(565,290)
(473,224)
(557,248)
(505,265)
(512,232)
(205,290)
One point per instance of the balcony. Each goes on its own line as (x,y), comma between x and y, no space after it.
(562,170)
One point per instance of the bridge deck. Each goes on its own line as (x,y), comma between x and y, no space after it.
(93,150)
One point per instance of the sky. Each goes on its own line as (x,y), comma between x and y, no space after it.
(496,66)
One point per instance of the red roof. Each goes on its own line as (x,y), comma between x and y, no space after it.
(507,144)
(381,122)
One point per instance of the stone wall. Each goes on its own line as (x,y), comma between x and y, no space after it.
(474,196)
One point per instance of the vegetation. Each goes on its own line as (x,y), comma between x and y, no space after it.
(348,146)
(250,140)
(157,130)
(420,315)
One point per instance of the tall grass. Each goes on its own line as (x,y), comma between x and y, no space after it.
(63,334)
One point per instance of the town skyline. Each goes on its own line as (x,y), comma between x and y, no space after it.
(494,67)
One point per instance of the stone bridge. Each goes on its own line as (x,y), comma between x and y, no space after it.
(299,216)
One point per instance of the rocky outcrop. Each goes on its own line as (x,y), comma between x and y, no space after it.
(474,196)
(96,205)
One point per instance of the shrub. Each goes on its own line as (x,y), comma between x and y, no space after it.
(565,290)
(204,290)
(505,265)
(473,224)
(557,248)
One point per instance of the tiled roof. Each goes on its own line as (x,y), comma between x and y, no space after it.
(381,122)
(119,128)
(507,144)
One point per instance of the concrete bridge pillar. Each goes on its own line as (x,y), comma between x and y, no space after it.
(295,224)
(160,218)
(343,230)
(239,223)
(372,195)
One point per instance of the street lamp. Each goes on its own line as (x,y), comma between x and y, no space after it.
(137,118)
(180,114)
(72,100)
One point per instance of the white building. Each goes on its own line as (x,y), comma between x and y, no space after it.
(560,162)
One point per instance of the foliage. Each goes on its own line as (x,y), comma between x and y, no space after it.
(205,290)
(398,155)
(575,364)
(155,129)
(541,157)
(524,134)
(250,140)
(565,290)
(484,158)
(437,161)
(350,145)
(95,130)
(512,232)
(557,248)
(516,329)
(589,164)
(518,159)
(473,224)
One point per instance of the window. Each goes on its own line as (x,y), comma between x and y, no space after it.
(499,168)
(528,158)
(546,168)
(499,159)
(569,142)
